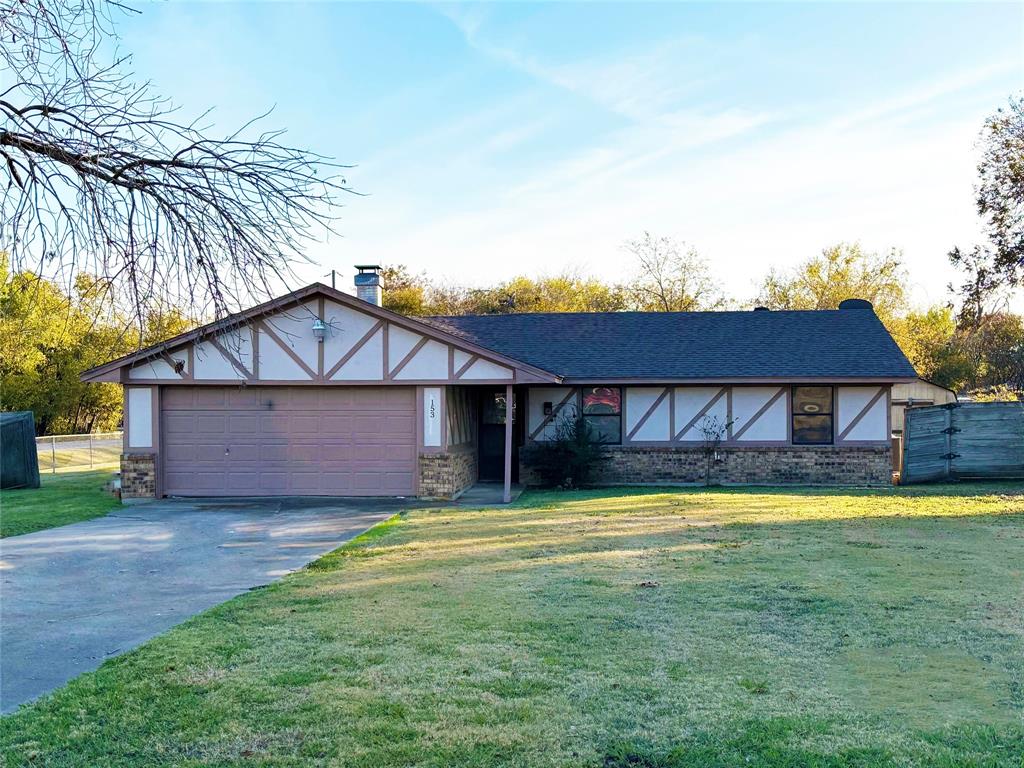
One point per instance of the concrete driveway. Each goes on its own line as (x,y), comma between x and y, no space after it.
(75,596)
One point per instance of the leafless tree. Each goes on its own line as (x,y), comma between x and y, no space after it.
(671,277)
(713,431)
(102,176)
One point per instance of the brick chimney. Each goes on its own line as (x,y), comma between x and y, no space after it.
(368,283)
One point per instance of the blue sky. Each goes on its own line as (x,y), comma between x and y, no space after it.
(498,139)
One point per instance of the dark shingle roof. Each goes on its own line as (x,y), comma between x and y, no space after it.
(844,343)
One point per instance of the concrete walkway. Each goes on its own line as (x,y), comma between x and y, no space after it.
(75,596)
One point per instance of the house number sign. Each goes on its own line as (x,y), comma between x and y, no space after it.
(432,416)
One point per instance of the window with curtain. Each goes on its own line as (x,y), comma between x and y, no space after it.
(602,410)
(812,416)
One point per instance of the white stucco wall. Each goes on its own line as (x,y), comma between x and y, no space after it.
(159,368)
(276,364)
(690,401)
(140,417)
(771,425)
(295,329)
(485,369)
(431,362)
(638,401)
(365,365)
(211,364)
(535,409)
(850,401)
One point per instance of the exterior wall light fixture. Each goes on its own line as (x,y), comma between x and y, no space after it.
(319,329)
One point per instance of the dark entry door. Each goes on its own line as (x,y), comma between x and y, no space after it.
(493,411)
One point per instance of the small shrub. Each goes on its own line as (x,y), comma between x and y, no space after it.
(568,459)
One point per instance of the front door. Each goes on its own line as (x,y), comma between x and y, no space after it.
(492,435)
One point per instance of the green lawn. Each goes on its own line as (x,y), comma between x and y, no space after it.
(64,498)
(603,629)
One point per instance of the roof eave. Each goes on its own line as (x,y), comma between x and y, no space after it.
(655,380)
(111,371)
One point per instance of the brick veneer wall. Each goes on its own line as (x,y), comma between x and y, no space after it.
(774,465)
(443,475)
(138,475)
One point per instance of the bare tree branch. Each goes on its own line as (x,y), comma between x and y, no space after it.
(101,176)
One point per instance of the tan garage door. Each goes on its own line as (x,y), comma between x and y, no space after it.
(273,441)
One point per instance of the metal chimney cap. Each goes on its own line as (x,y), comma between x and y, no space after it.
(361,267)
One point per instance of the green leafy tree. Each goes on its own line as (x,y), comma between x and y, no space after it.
(48,338)
(999,198)
(567,292)
(843,271)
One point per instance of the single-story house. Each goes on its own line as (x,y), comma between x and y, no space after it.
(322,393)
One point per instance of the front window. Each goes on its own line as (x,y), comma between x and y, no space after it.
(602,411)
(812,415)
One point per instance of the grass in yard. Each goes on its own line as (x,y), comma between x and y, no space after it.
(64,498)
(601,629)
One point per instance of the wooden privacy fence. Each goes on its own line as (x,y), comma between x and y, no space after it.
(963,441)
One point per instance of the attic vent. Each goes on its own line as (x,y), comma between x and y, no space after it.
(761,309)
(855,304)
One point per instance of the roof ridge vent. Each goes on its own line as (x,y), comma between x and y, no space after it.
(856,304)
(762,309)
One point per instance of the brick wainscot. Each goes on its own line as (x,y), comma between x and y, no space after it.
(138,476)
(445,475)
(774,465)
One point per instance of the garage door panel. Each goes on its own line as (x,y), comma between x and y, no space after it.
(273,482)
(404,455)
(210,397)
(240,483)
(240,453)
(242,397)
(274,424)
(289,440)
(209,481)
(398,425)
(243,424)
(211,453)
(337,424)
(309,425)
(175,424)
(305,482)
(396,482)
(212,423)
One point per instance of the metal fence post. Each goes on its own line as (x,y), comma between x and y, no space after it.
(53,455)
(90,450)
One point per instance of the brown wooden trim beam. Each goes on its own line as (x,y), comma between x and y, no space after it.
(554,412)
(363,340)
(700,414)
(409,356)
(230,357)
(285,347)
(648,413)
(466,366)
(863,412)
(760,412)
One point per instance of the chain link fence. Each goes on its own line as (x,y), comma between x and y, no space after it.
(98,450)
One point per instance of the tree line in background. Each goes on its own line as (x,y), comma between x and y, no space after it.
(49,336)
(50,331)
(970,352)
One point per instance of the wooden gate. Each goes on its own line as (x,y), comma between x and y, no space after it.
(963,441)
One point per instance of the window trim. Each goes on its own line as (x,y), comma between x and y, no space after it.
(586,416)
(793,414)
